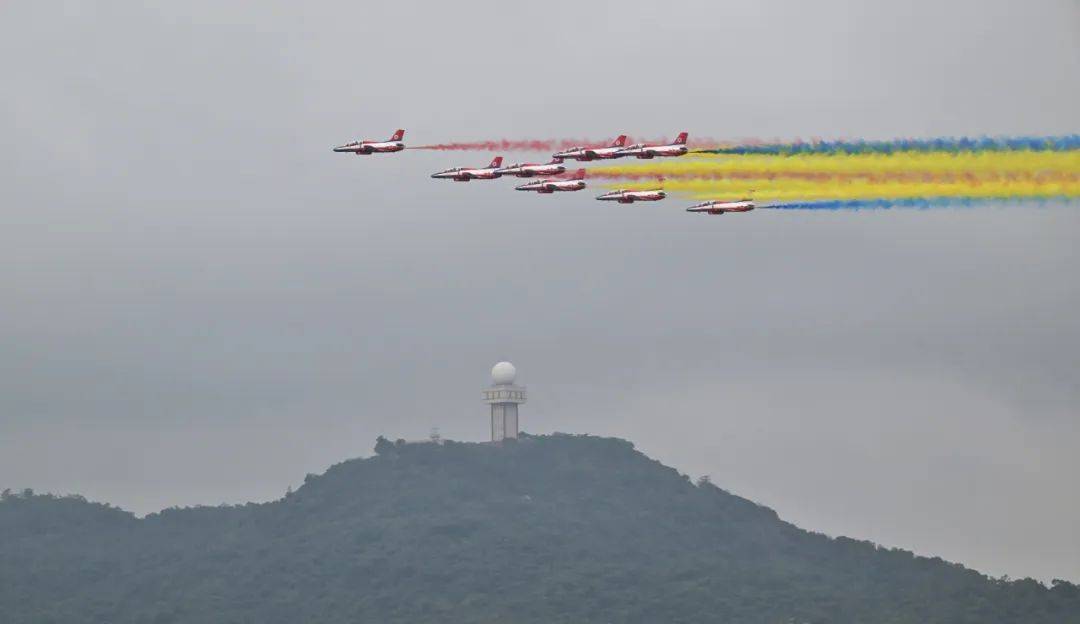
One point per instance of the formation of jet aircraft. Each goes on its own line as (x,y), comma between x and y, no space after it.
(551,173)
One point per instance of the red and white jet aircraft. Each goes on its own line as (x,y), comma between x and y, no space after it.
(719,207)
(628,197)
(464,174)
(642,150)
(594,153)
(367,146)
(575,182)
(529,170)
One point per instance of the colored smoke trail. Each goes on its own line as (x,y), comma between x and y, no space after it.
(550,145)
(945,144)
(841,176)
(786,190)
(928,163)
(504,145)
(920,203)
(758,146)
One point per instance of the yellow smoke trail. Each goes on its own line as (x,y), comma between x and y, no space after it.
(1004,175)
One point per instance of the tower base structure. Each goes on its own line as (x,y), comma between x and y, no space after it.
(504,397)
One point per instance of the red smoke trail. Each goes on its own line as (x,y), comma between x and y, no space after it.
(554,145)
(500,145)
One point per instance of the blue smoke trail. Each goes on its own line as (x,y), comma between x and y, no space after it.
(919,203)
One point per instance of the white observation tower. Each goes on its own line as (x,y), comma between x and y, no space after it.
(504,397)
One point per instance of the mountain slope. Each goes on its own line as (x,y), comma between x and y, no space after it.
(548,529)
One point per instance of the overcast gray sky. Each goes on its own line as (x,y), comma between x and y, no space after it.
(200,303)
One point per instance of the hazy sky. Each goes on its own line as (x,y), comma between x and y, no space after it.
(200,303)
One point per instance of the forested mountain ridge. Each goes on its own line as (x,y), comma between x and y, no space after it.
(546,529)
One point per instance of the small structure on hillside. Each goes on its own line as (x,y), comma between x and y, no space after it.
(504,396)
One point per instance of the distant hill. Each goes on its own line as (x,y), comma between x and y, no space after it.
(551,529)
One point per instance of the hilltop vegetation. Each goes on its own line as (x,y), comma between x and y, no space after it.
(548,529)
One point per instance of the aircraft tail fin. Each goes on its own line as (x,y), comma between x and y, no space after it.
(578,175)
(495,162)
(619,142)
(400,134)
(681,139)
(556,161)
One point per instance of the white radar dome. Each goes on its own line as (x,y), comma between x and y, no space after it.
(503,373)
